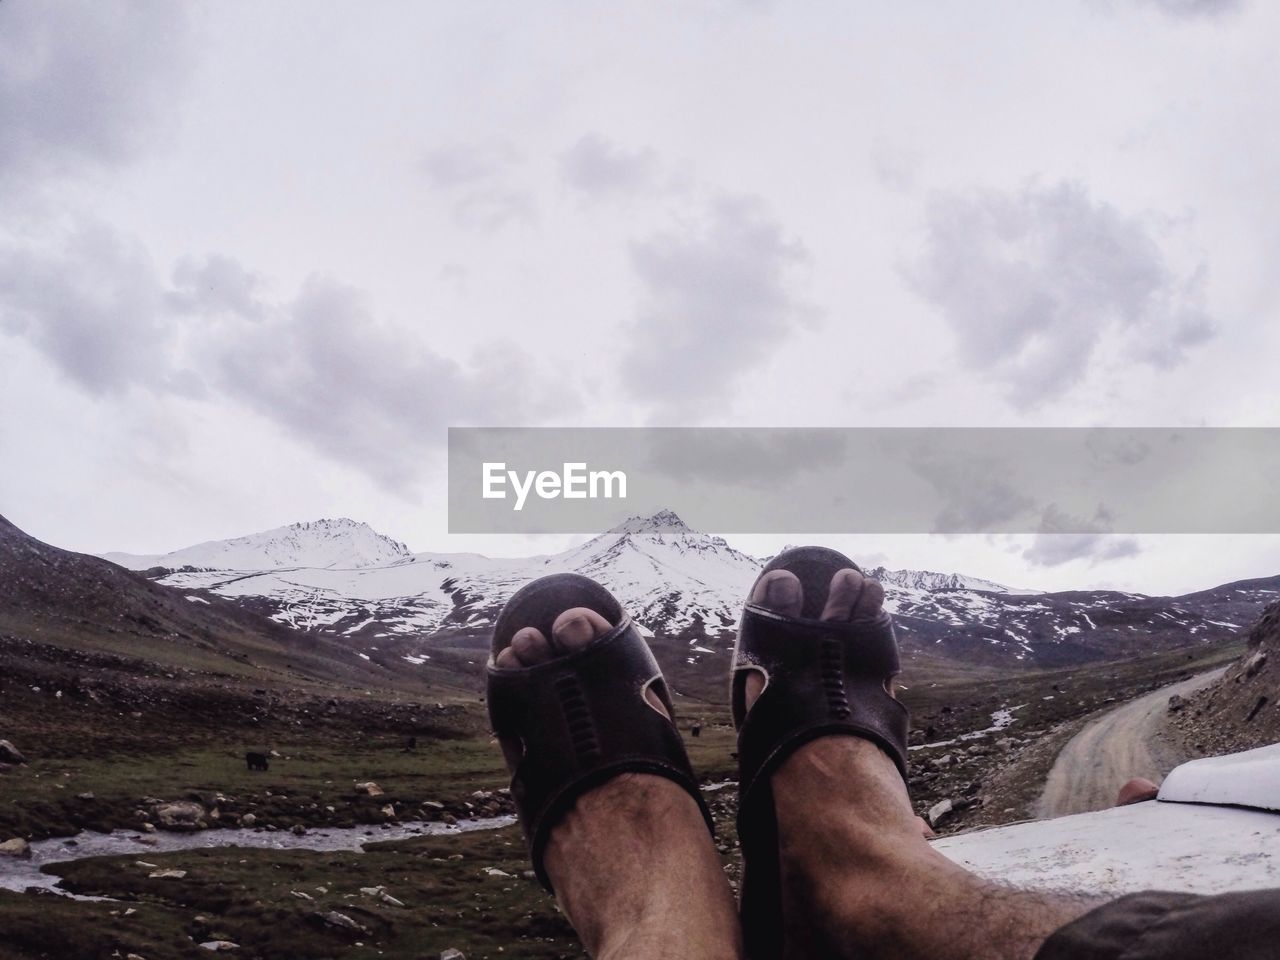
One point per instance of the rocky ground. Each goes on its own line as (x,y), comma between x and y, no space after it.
(1242,710)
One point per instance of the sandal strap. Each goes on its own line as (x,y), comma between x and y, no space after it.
(823,677)
(583,719)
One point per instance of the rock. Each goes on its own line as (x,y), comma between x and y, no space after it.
(298,830)
(87,795)
(452,954)
(1006,743)
(145,865)
(341,922)
(946,760)
(17,848)
(433,804)
(216,945)
(179,815)
(389,811)
(302,895)
(1176,703)
(1255,663)
(10,754)
(369,789)
(167,874)
(148,828)
(389,899)
(939,811)
(495,872)
(372,891)
(248,820)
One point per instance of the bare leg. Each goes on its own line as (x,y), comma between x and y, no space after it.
(633,866)
(859,879)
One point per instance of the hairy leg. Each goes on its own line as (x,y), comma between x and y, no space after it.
(859,879)
(633,866)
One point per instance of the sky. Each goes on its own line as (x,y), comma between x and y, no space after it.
(255,259)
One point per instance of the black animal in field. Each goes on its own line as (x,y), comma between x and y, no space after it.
(256,761)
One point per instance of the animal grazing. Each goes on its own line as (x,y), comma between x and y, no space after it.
(256,761)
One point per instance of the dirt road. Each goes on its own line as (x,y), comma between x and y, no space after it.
(1129,741)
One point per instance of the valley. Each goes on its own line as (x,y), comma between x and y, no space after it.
(132,694)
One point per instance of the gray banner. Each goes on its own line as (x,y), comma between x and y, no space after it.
(868,480)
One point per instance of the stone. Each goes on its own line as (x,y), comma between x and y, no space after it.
(452,954)
(298,830)
(248,820)
(179,815)
(392,901)
(167,874)
(1255,663)
(219,945)
(17,848)
(495,872)
(87,795)
(369,789)
(389,811)
(10,754)
(939,811)
(341,921)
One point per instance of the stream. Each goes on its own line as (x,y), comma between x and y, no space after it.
(22,875)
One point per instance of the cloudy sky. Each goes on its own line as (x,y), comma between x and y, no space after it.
(256,258)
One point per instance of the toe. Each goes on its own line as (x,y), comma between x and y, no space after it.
(847,587)
(530,646)
(779,591)
(507,660)
(577,627)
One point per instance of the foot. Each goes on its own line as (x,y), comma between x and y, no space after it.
(859,879)
(1137,790)
(633,866)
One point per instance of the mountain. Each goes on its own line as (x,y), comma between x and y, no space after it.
(325,544)
(688,587)
(1242,710)
(68,607)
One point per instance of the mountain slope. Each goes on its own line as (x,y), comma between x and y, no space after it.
(340,543)
(687,586)
(58,599)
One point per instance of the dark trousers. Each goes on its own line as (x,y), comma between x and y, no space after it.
(1173,926)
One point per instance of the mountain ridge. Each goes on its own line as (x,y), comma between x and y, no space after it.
(682,584)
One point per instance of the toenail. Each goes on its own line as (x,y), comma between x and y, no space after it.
(779,590)
(577,628)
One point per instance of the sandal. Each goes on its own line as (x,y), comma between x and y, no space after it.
(580,719)
(821,678)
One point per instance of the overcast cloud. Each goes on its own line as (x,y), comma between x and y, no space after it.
(85,83)
(716,298)
(601,167)
(741,214)
(1034,280)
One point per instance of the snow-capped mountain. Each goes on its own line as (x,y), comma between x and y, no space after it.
(330,544)
(342,578)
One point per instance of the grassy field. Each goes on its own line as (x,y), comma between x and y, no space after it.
(95,761)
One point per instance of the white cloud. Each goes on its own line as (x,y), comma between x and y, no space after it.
(1031,282)
(85,83)
(716,297)
(600,167)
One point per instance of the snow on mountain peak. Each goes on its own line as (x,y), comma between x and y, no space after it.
(664,521)
(339,543)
